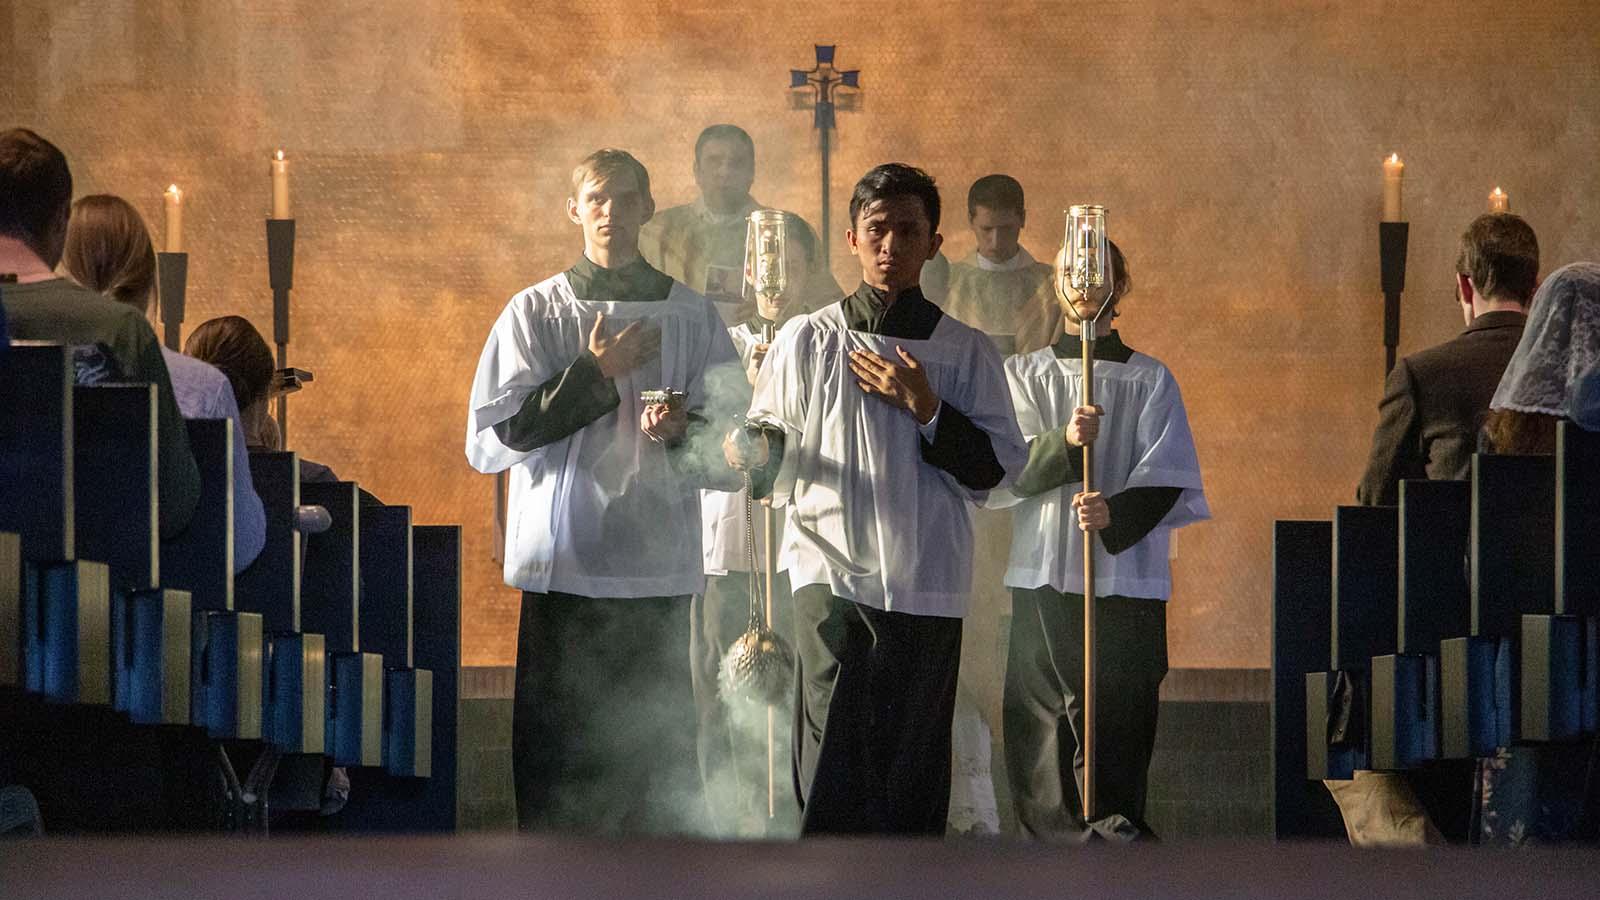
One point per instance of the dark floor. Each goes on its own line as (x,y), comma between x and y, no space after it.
(505,865)
(1211,774)
(1209,778)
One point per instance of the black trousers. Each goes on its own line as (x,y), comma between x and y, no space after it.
(602,730)
(1043,710)
(731,741)
(876,693)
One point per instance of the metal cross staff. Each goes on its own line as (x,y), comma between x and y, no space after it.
(824,79)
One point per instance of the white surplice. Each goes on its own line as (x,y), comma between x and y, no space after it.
(727,548)
(1144,441)
(865,515)
(601,512)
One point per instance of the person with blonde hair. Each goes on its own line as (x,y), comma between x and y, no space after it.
(108,250)
(603,528)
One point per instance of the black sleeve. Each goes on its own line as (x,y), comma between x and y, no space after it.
(1134,512)
(571,399)
(1396,443)
(964,450)
(1051,463)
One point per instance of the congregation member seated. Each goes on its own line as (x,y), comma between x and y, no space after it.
(35,202)
(1544,793)
(1433,404)
(108,250)
(240,353)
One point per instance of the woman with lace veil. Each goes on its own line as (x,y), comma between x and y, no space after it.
(1545,793)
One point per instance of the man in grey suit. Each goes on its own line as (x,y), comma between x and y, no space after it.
(1433,405)
(1434,400)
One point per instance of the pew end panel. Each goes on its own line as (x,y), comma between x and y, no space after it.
(355,710)
(1405,710)
(116,499)
(271,585)
(1468,717)
(152,647)
(1302,580)
(296,682)
(1577,524)
(408,723)
(36,455)
(200,560)
(1556,670)
(66,627)
(330,588)
(381,802)
(11,583)
(225,681)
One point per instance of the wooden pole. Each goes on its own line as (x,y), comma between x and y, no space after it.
(1086,330)
(772,790)
(769,533)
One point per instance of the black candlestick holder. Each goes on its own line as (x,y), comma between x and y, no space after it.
(1392,240)
(172,272)
(280,274)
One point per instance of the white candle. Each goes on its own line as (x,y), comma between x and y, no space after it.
(280,186)
(1393,172)
(173,200)
(1499,201)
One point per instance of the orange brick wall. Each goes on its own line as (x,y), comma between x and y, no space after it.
(1237,146)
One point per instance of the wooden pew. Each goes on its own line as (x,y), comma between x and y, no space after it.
(436,647)
(1577,521)
(1512,554)
(271,585)
(330,594)
(295,676)
(10,610)
(386,629)
(386,583)
(36,484)
(115,498)
(1302,607)
(1434,604)
(63,617)
(1577,547)
(1560,650)
(225,679)
(117,522)
(381,803)
(1364,625)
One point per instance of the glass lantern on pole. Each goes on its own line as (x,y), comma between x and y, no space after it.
(1087,272)
(766,273)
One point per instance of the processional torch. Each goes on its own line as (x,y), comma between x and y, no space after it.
(759,667)
(1086,270)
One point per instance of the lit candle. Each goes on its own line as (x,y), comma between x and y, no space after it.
(174,207)
(280,186)
(1393,171)
(1499,201)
